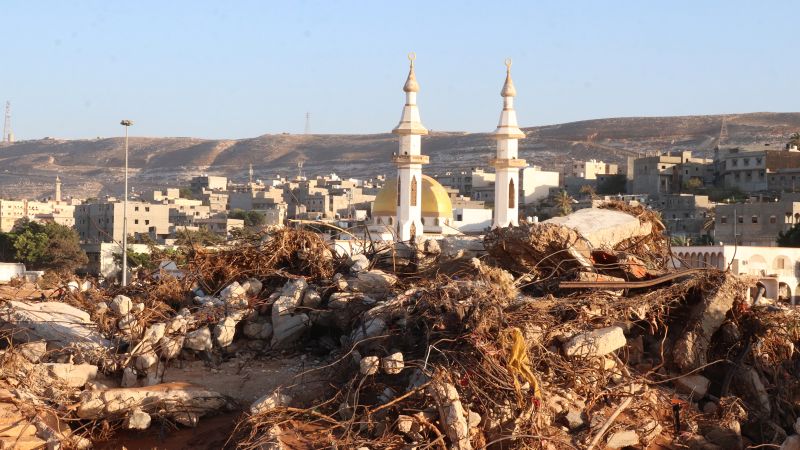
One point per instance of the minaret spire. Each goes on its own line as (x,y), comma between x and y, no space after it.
(58,189)
(409,161)
(506,163)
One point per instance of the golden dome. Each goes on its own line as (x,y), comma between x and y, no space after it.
(435,201)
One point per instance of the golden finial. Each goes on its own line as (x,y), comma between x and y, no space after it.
(508,64)
(411,83)
(508,88)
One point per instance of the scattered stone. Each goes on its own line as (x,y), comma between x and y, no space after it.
(199,340)
(694,385)
(146,360)
(312,299)
(74,375)
(258,330)
(252,286)
(234,296)
(574,419)
(154,332)
(138,420)
(101,308)
(137,308)
(121,305)
(405,424)
(369,365)
(57,323)
(127,323)
(129,378)
(32,351)
(376,283)
(393,364)
(270,401)
(177,325)
(358,263)
(224,332)
(286,330)
(622,439)
(595,343)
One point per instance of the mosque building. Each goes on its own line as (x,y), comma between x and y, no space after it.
(414,204)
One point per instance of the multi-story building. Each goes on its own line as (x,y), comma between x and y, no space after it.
(669,173)
(756,222)
(589,170)
(755,169)
(220,224)
(204,183)
(466,180)
(535,184)
(102,222)
(684,214)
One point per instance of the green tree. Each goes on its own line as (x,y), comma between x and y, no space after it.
(564,203)
(791,238)
(136,260)
(186,192)
(251,219)
(30,247)
(794,139)
(692,185)
(589,191)
(43,246)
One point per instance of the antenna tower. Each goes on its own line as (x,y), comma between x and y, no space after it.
(8,135)
(723,132)
(308,123)
(300,168)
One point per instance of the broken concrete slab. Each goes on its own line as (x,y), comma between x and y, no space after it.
(270,401)
(121,305)
(59,324)
(74,375)
(138,420)
(622,439)
(199,340)
(375,283)
(595,343)
(286,330)
(603,228)
(694,385)
(224,332)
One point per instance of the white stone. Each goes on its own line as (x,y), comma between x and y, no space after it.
(199,340)
(73,286)
(177,325)
(170,347)
(603,228)
(369,365)
(234,296)
(358,263)
(137,308)
(393,364)
(154,332)
(128,378)
(621,439)
(121,305)
(32,351)
(127,323)
(694,385)
(252,286)
(595,343)
(86,286)
(405,423)
(74,375)
(270,401)
(145,360)
(138,420)
(375,282)
(59,324)
(286,330)
(224,332)
(258,330)
(311,299)
(101,308)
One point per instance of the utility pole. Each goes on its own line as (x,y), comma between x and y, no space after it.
(8,135)
(126,123)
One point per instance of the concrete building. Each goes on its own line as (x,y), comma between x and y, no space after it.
(506,162)
(775,268)
(204,183)
(436,210)
(409,161)
(536,184)
(466,180)
(684,214)
(757,222)
(754,169)
(102,222)
(220,224)
(668,173)
(101,257)
(588,170)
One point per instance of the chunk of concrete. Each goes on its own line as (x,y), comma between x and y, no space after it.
(622,439)
(224,332)
(138,420)
(358,263)
(234,296)
(154,332)
(145,360)
(270,401)
(286,330)
(603,228)
(199,340)
(59,324)
(121,305)
(694,385)
(375,283)
(311,299)
(170,347)
(32,351)
(74,375)
(369,365)
(595,343)
(253,286)
(393,364)
(257,330)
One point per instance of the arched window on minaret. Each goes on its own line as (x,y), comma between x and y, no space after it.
(399,185)
(414,190)
(512,194)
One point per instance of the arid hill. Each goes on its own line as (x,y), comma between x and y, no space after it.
(94,166)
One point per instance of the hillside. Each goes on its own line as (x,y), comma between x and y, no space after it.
(94,167)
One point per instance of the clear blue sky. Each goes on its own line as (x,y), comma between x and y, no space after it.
(238,69)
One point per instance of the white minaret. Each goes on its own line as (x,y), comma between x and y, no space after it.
(506,163)
(58,189)
(409,161)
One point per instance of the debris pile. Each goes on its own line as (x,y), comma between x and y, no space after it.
(571,333)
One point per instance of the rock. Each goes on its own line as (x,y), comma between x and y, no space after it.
(252,286)
(393,364)
(121,305)
(32,351)
(451,414)
(170,347)
(74,375)
(270,401)
(369,328)
(725,438)
(340,282)
(258,330)
(603,228)
(311,299)
(73,286)
(289,299)
(86,286)
(138,420)
(375,283)
(127,323)
(154,375)
(199,340)
(224,332)
(146,360)
(101,308)
(747,382)
(154,332)
(177,325)
(431,247)
(369,365)
(791,443)
(595,343)
(690,349)
(694,385)
(129,378)
(358,263)
(137,308)
(574,419)
(461,247)
(234,296)
(622,439)
(160,398)
(286,330)
(710,408)
(405,424)
(473,419)
(57,323)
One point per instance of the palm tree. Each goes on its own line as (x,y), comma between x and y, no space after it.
(564,203)
(794,141)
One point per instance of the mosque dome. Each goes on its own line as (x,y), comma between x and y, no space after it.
(435,201)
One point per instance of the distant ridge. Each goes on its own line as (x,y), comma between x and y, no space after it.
(91,167)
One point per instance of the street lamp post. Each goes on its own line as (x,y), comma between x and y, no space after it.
(126,123)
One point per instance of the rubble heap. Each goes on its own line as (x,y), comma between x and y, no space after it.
(566,334)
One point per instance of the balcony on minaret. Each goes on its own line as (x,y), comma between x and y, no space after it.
(402,160)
